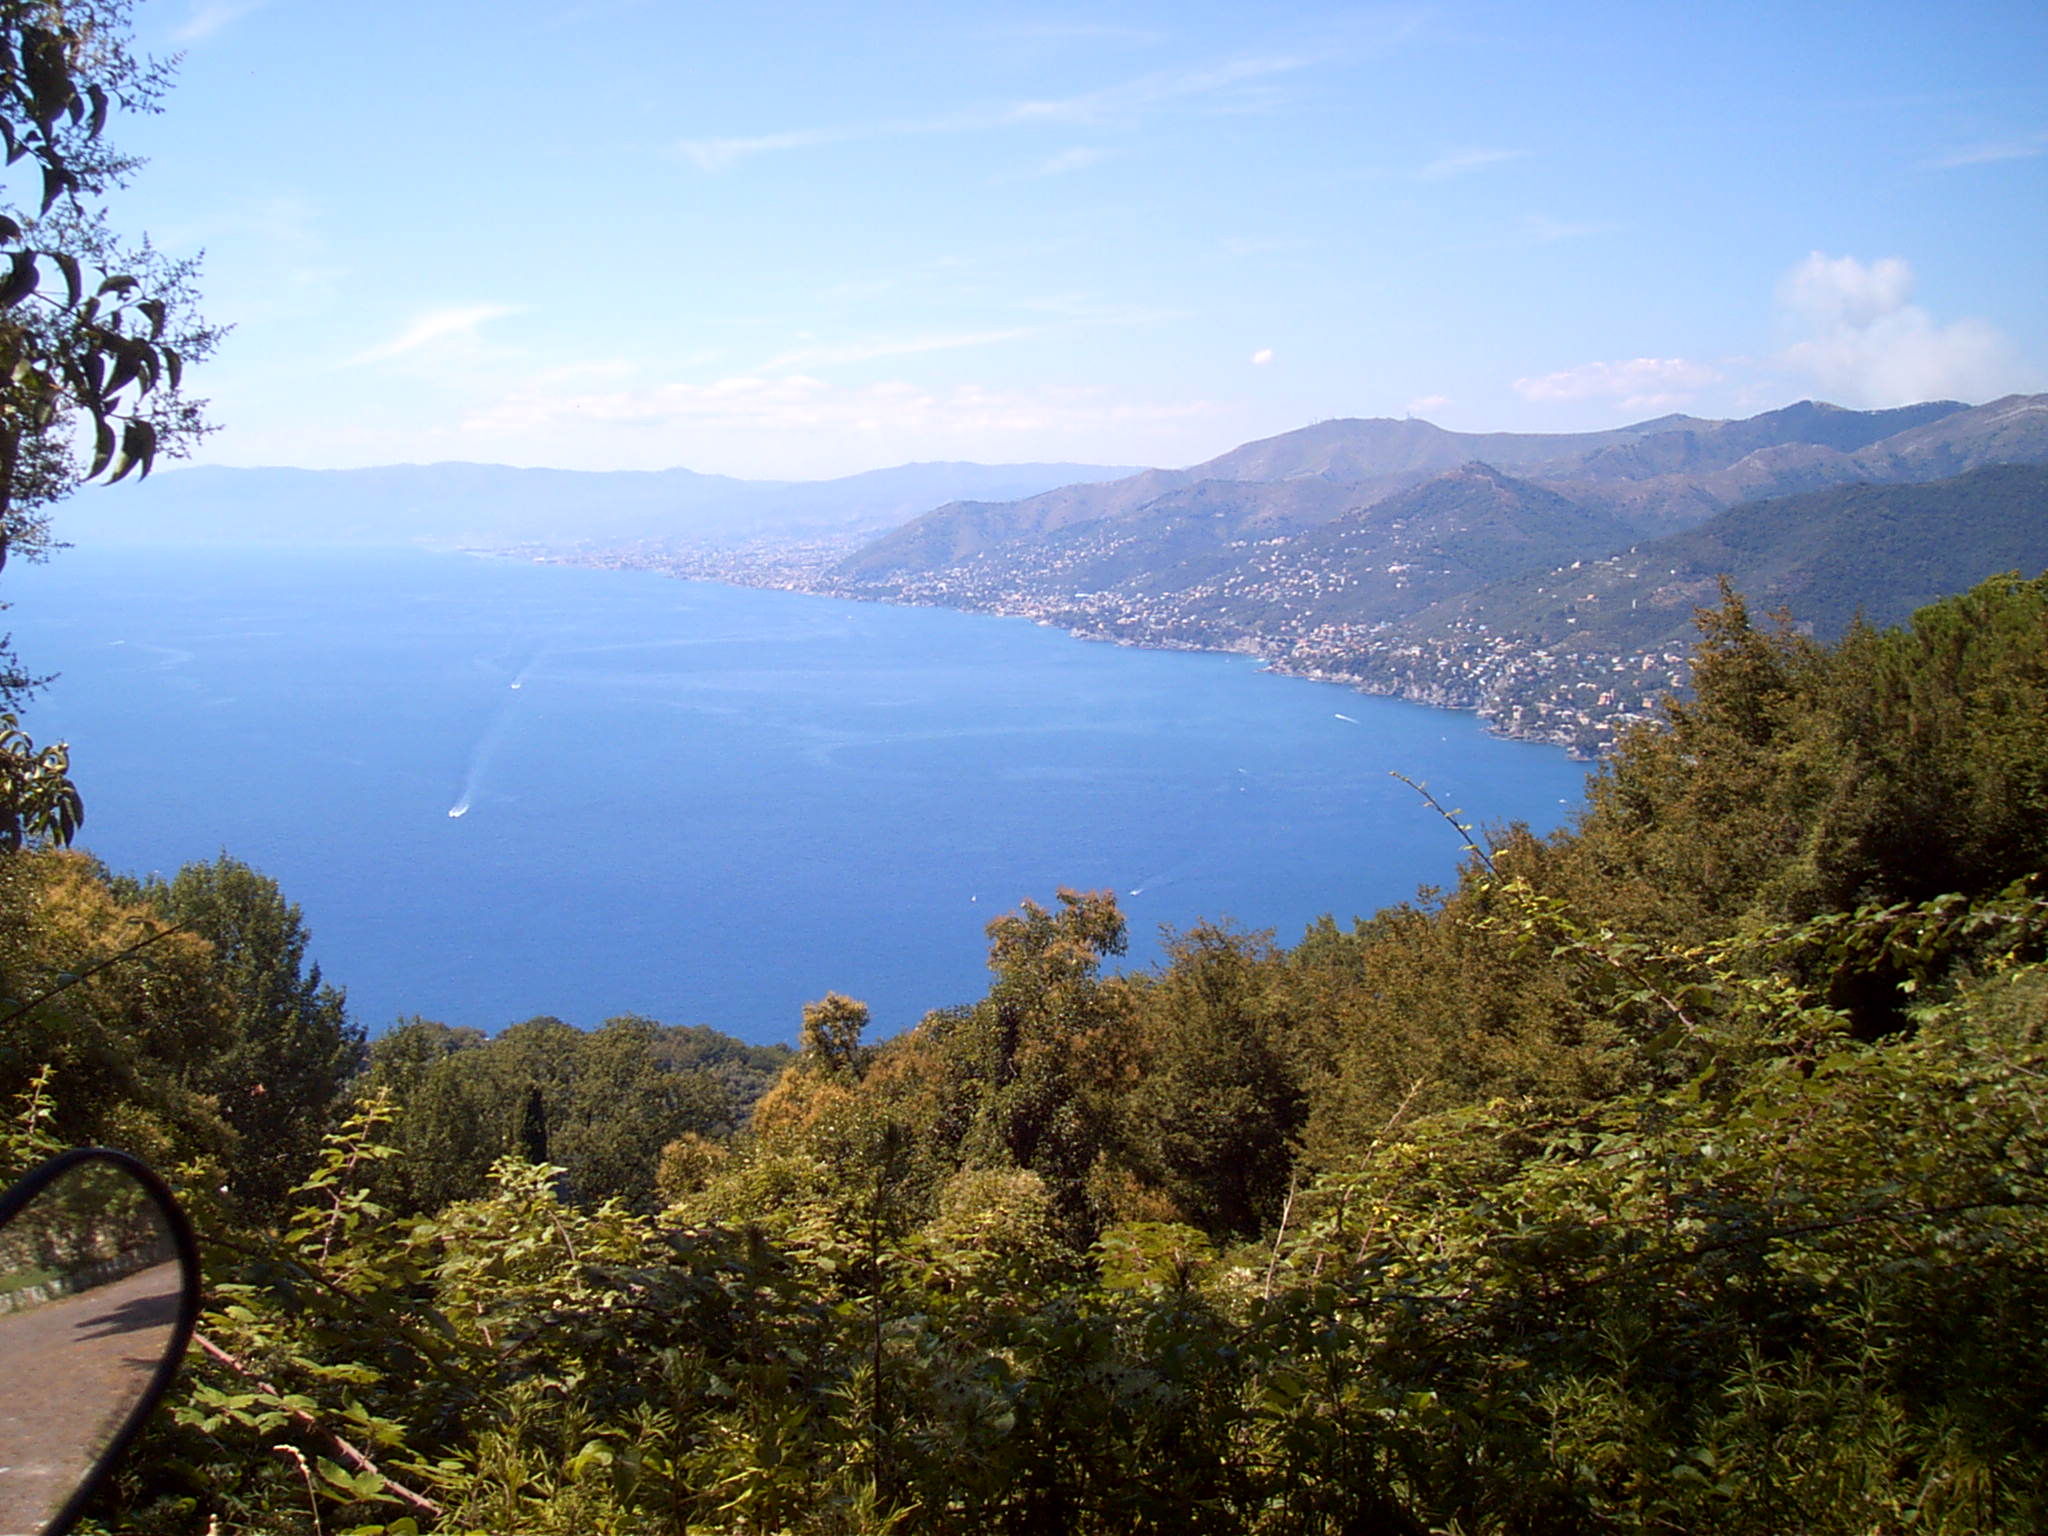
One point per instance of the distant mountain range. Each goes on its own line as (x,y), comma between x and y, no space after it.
(491,504)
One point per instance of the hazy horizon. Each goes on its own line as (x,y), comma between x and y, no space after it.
(175,466)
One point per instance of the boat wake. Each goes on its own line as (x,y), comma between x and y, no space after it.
(493,736)
(480,759)
(1160,881)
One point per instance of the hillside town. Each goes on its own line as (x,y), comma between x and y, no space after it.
(1581,701)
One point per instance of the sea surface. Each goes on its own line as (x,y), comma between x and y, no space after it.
(500,789)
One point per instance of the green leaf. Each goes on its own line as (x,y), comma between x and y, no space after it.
(20,281)
(47,76)
(127,365)
(68,265)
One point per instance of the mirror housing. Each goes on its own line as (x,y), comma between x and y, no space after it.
(99,1293)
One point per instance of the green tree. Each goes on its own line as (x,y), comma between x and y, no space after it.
(121,1007)
(1036,1064)
(1943,784)
(744,1071)
(1218,1099)
(1900,765)
(831,1034)
(622,1107)
(285,1050)
(446,1115)
(600,1105)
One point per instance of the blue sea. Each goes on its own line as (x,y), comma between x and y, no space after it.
(500,789)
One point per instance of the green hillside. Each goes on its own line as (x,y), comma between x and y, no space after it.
(1882,550)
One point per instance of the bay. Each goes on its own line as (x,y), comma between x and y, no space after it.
(500,789)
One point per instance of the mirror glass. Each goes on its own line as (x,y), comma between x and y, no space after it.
(92,1296)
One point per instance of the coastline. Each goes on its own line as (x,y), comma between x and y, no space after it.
(1582,703)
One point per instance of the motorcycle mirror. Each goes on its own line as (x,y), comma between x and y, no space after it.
(99,1291)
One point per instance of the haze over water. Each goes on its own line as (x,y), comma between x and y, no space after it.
(499,789)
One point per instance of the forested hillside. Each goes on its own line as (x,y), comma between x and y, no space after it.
(1878,550)
(1684,1171)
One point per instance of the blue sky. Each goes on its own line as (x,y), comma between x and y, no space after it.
(798,241)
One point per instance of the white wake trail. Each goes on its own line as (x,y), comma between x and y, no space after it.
(488,743)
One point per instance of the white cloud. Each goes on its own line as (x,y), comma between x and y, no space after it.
(723,154)
(776,416)
(1534,229)
(1263,356)
(1074,31)
(1131,98)
(1844,293)
(1422,404)
(1866,344)
(1855,336)
(1253,245)
(1068,160)
(902,346)
(1460,162)
(437,325)
(1153,90)
(210,16)
(1083,309)
(1636,384)
(1542,229)
(2026,147)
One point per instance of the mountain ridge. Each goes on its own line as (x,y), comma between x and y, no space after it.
(1662,473)
(1624,476)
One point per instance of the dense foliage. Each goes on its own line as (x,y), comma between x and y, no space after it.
(1684,1171)
(180,1017)
(602,1105)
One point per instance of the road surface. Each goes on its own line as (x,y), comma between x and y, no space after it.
(69,1372)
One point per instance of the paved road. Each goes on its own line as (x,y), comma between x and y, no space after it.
(69,1372)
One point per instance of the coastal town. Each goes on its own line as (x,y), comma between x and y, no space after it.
(1582,701)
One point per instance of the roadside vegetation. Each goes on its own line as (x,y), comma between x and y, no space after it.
(1684,1170)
